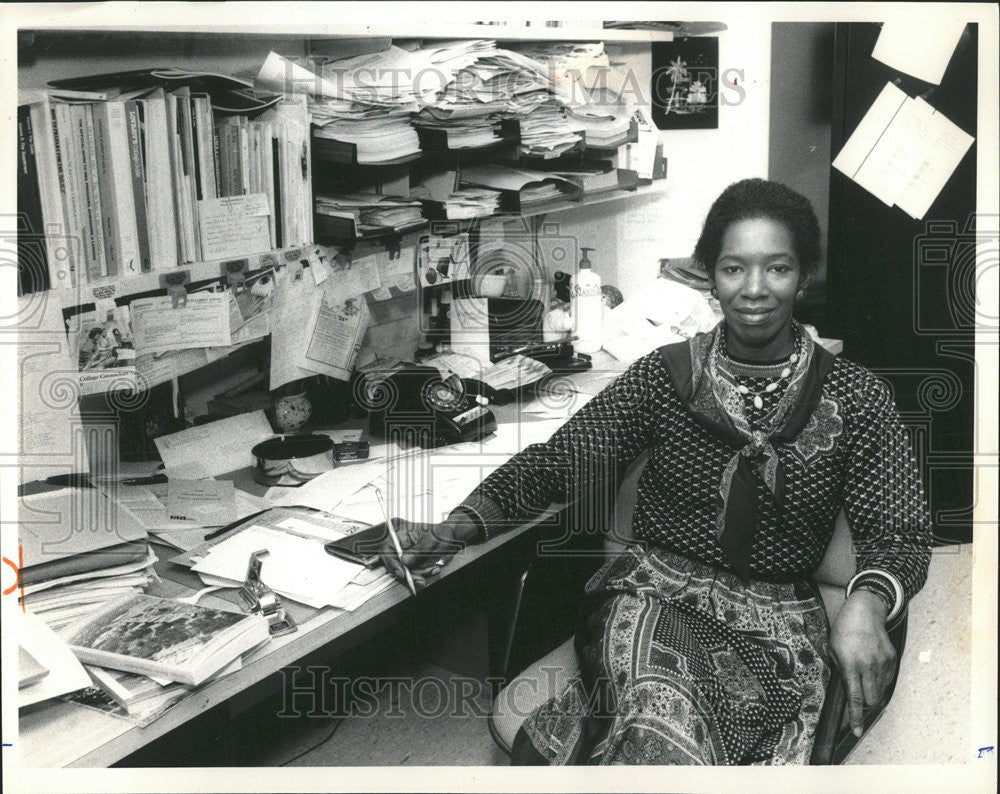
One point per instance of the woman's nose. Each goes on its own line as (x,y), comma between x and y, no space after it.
(755,285)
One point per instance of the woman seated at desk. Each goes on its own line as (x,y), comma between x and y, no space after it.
(706,641)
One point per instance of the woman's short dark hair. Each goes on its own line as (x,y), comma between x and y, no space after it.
(758,198)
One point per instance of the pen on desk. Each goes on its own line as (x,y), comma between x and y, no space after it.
(395,539)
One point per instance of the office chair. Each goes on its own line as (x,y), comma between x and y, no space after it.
(545,617)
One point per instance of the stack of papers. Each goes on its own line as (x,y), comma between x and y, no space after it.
(461,132)
(371,211)
(546,132)
(472,202)
(79,551)
(378,137)
(601,125)
(297,566)
(569,63)
(533,187)
(64,600)
(495,80)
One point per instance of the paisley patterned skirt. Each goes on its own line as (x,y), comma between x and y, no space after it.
(684,664)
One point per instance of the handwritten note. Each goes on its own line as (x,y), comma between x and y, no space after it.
(234,226)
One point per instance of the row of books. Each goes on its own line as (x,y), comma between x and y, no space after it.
(115,186)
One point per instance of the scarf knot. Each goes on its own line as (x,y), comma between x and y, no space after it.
(716,405)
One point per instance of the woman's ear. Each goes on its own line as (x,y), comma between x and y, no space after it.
(803,286)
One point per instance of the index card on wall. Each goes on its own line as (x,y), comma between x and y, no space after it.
(917,47)
(903,151)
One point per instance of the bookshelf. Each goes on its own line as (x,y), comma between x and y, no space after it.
(85,46)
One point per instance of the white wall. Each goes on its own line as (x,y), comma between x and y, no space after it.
(700,163)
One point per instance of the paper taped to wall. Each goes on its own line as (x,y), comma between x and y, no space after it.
(903,151)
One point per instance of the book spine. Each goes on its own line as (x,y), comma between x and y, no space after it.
(71,186)
(115,179)
(233,143)
(216,156)
(161,214)
(96,263)
(104,179)
(180,186)
(206,155)
(278,209)
(267,176)
(187,154)
(244,134)
(60,253)
(32,268)
(134,181)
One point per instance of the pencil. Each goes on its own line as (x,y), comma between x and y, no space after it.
(395,540)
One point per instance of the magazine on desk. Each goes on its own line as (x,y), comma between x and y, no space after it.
(161,637)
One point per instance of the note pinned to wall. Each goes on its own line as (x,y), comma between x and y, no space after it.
(203,321)
(470,328)
(50,437)
(903,151)
(234,226)
(918,47)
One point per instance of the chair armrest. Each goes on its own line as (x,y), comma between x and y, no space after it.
(834,739)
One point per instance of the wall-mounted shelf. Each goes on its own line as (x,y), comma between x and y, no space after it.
(304,25)
(118,286)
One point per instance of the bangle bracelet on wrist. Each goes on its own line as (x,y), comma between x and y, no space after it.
(897,589)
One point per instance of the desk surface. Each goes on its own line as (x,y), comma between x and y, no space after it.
(57,734)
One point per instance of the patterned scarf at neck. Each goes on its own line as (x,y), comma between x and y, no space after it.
(694,372)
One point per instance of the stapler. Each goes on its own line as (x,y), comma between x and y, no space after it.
(259,599)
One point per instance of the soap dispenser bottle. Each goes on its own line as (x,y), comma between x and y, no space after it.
(586,305)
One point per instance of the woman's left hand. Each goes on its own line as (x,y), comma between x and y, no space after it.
(863,652)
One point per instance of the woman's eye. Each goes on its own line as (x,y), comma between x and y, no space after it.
(731,270)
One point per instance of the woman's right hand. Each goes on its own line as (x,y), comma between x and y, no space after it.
(426,547)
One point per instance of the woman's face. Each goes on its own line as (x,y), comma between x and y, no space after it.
(757,277)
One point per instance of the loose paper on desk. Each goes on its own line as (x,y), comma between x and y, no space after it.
(470,328)
(234,226)
(903,151)
(50,434)
(222,446)
(203,321)
(211,502)
(296,567)
(66,674)
(919,46)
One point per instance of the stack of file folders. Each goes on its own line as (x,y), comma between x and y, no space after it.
(602,126)
(79,551)
(378,137)
(370,212)
(439,130)
(470,202)
(546,132)
(521,189)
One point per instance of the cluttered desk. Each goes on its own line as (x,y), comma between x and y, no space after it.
(233,572)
